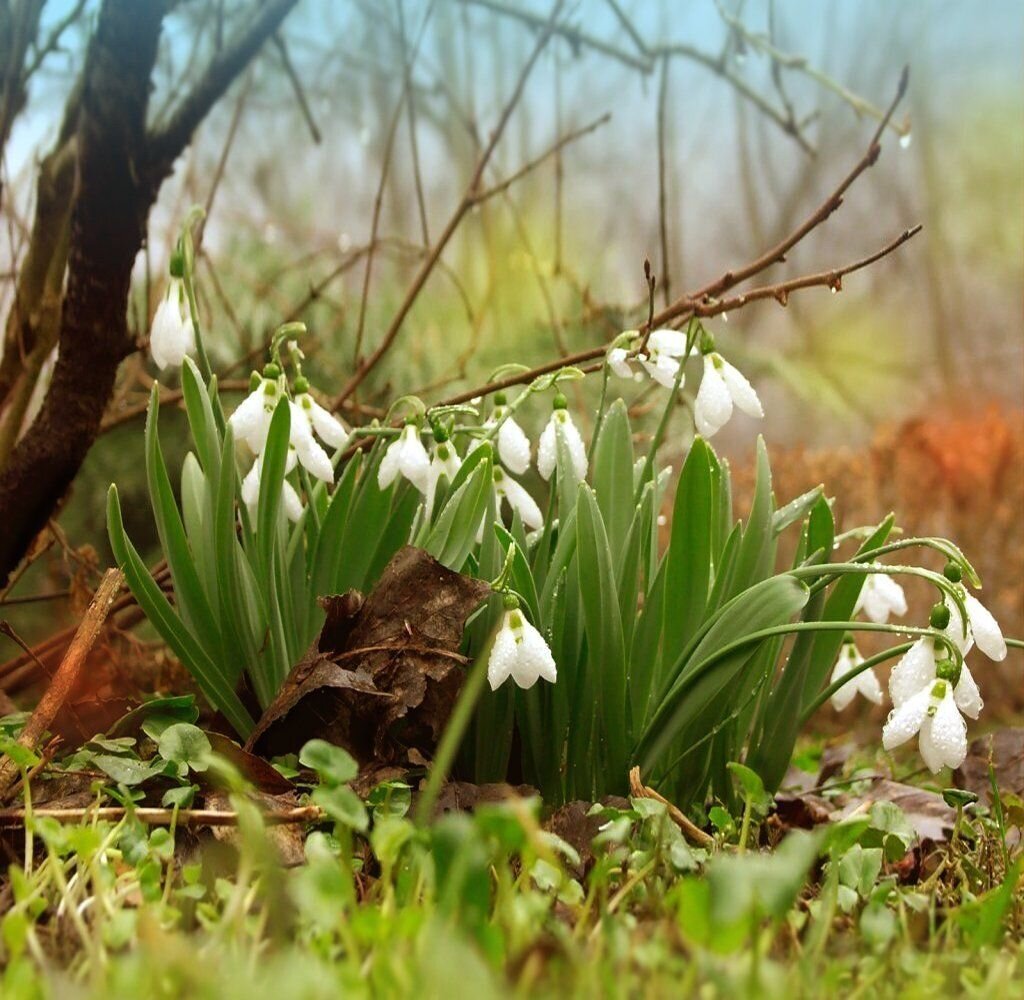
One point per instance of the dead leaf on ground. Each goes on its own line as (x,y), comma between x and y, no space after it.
(1005,749)
(383,675)
(926,811)
(464,796)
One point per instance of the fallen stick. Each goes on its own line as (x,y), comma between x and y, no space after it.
(160,817)
(691,831)
(66,677)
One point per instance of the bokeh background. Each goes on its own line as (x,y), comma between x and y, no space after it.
(905,391)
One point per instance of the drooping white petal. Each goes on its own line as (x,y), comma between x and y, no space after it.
(869,687)
(662,368)
(251,486)
(513,447)
(520,501)
(985,629)
(413,460)
(329,428)
(248,415)
(880,597)
(387,471)
(292,503)
(618,362)
(915,670)
(847,660)
(943,740)
(742,392)
(172,336)
(574,442)
(905,720)
(444,464)
(503,656)
(713,406)
(967,695)
(547,450)
(671,343)
(534,650)
(313,458)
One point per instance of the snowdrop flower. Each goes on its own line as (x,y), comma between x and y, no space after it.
(918,668)
(982,628)
(444,462)
(880,597)
(251,488)
(300,437)
(328,427)
(722,387)
(666,351)
(865,683)
(547,449)
(618,362)
(173,335)
(933,712)
(251,419)
(405,455)
(513,444)
(506,488)
(519,652)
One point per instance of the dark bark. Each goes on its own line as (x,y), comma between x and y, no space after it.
(107,228)
(119,172)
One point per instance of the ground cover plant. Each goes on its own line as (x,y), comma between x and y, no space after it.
(517,690)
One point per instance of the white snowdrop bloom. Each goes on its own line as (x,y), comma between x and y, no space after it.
(865,683)
(519,652)
(880,597)
(405,455)
(513,445)
(933,713)
(173,336)
(312,456)
(328,427)
(444,463)
(547,449)
(982,628)
(917,670)
(722,387)
(251,419)
(506,488)
(666,351)
(618,362)
(251,488)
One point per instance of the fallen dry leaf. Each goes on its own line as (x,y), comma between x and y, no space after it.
(1005,750)
(383,675)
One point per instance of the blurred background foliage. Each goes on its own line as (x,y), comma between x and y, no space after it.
(290,165)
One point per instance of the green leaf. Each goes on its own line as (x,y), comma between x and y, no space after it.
(342,805)
(757,549)
(752,788)
(333,764)
(217,688)
(275,457)
(201,420)
(688,573)
(185,745)
(453,535)
(606,651)
(796,510)
(612,476)
(327,553)
(192,599)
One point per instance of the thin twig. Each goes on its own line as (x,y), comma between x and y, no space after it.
(66,677)
(690,830)
(161,817)
(464,206)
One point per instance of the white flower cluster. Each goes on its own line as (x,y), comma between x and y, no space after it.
(722,388)
(251,424)
(929,699)
(520,652)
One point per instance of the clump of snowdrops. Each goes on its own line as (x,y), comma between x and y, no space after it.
(604,646)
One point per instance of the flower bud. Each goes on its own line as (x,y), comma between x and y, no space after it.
(500,399)
(947,670)
(301,385)
(952,572)
(560,402)
(939,617)
(707,342)
(272,371)
(439,431)
(177,263)
(510,602)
